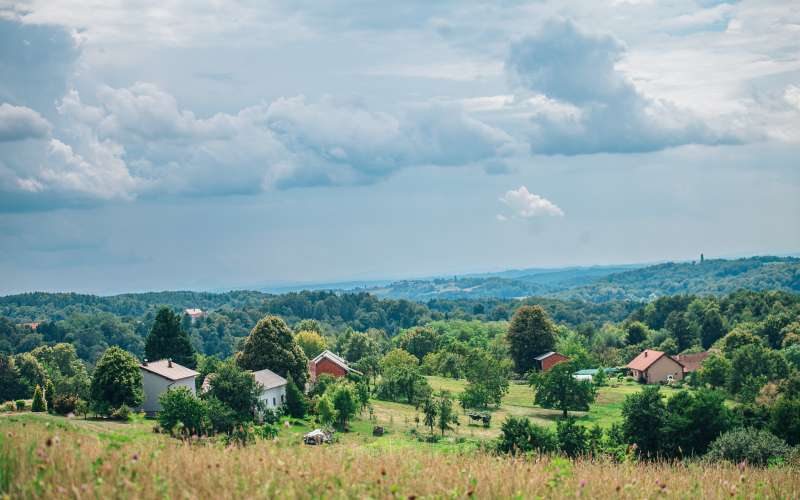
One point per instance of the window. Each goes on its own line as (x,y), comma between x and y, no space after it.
(273,402)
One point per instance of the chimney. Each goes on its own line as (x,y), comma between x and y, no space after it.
(645,355)
(169,363)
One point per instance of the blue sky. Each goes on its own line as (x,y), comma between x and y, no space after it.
(191,144)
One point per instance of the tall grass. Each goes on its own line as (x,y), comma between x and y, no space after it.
(63,461)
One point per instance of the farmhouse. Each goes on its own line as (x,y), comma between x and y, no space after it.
(274,393)
(652,367)
(160,376)
(548,360)
(691,362)
(330,363)
(194,314)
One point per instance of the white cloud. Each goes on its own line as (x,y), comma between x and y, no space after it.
(792,96)
(19,123)
(526,205)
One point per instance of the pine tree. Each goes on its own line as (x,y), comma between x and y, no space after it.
(167,340)
(39,404)
(49,393)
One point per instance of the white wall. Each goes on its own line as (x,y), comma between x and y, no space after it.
(276,394)
(155,385)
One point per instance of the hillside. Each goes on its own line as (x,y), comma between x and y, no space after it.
(601,284)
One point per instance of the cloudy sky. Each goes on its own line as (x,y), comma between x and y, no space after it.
(200,144)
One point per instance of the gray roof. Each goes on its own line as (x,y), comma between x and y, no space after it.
(543,356)
(162,368)
(269,379)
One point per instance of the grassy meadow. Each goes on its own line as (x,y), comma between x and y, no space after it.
(43,456)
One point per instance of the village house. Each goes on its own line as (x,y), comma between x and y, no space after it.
(273,394)
(161,376)
(330,363)
(195,314)
(691,362)
(652,367)
(548,360)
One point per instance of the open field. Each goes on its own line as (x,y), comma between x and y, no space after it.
(53,457)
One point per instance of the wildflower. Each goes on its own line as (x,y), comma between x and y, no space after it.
(583,483)
(135,457)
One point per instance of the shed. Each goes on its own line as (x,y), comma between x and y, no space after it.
(160,376)
(544,362)
(330,363)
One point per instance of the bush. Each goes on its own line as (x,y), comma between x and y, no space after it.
(181,406)
(519,435)
(572,438)
(20,404)
(123,413)
(221,417)
(9,406)
(39,404)
(64,405)
(296,404)
(265,431)
(756,447)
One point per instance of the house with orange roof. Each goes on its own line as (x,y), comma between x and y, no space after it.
(653,367)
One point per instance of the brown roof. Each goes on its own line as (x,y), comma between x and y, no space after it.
(174,372)
(646,358)
(691,362)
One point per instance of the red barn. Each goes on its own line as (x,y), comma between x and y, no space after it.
(548,360)
(330,363)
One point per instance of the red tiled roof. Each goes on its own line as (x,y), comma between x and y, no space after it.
(646,358)
(691,362)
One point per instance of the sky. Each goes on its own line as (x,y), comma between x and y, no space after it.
(200,144)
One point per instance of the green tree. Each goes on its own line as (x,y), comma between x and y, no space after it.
(49,393)
(271,345)
(179,405)
(167,340)
(754,362)
(681,331)
(358,346)
(362,392)
(693,421)
(296,404)
(308,325)
(738,337)
(345,403)
(429,410)
(116,381)
(11,387)
(64,368)
(444,409)
(636,332)
(712,327)
(237,389)
(39,404)
(519,435)
(325,412)
(785,420)
(600,378)
(418,341)
(311,342)
(573,439)
(715,371)
(530,334)
(31,372)
(644,415)
(557,388)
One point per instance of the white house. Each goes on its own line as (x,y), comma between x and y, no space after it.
(160,376)
(274,393)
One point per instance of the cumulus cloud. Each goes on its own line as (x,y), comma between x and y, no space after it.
(609,114)
(526,205)
(19,123)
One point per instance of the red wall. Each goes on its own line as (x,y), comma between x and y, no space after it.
(553,360)
(327,366)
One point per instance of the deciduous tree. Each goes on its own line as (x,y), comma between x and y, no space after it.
(530,334)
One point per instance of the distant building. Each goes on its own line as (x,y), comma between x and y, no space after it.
(652,367)
(32,325)
(161,376)
(330,363)
(691,362)
(195,314)
(274,392)
(544,362)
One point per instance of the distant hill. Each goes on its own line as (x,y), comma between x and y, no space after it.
(601,284)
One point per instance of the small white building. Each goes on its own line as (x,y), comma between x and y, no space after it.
(274,393)
(160,376)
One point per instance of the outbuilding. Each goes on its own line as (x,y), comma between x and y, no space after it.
(652,367)
(548,360)
(161,376)
(330,363)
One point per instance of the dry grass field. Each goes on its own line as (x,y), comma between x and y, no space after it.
(53,457)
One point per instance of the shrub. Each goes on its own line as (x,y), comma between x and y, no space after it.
(9,406)
(221,417)
(20,404)
(39,404)
(181,406)
(785,420)
(572,438)
(116,381)
(123,413)
(65,404)
(296,404)
(519,435)
(756,447)
(265,431)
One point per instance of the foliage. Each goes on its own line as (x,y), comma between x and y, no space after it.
(693,420)
(755,364)
(49,392)
(123,413)
(715,371)
(573,439)
(296,405)
(345,403)
(272,345)
(753,446)
(167,340)
(39,403)
(401,377)
(429,411)
(418,341)
(486,376)
(530,334)
(237,389)
(557,388)
(326,415)
(180,406)
(520,435)
(644,415)
(444,410)
(785,420)
(64,368)
(311,342)
(116,381)
(64,404)
(221,417)
(11,386)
